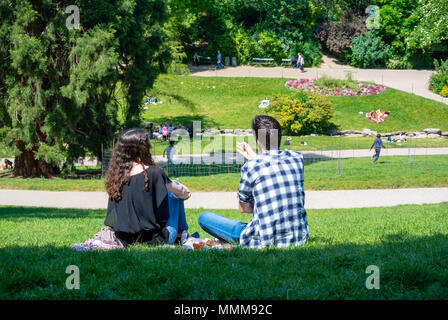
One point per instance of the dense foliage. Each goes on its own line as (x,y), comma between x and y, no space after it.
(246,28)
(369,51)
(64,92)
(59,85)
(439,80)
(302,113)
(405,33)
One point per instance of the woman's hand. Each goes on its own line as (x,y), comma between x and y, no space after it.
(179,190)
(187,193)
(245,150)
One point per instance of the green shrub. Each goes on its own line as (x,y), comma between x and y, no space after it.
(397,62)
(243,45)
(262,45)
(270,46)
(444,91)
(302,113)
(311,51)
(327,82)
(369,51)
(439,80)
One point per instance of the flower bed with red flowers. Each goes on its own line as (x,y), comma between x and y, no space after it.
(355,89)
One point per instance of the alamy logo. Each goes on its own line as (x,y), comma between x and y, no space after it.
(373,281)
(72,21)
(72,281)
(373,20)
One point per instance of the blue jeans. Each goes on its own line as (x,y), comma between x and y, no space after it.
(220,227)
(377,155)
(167,165)
(177,221)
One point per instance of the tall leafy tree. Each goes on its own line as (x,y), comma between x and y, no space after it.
(430,33)
(66,91)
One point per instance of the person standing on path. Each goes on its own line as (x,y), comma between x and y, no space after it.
(378,144)
(293,60)
(219,60)
(301,62)
(196,59)
(170,151)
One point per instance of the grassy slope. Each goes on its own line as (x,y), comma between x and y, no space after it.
(407,243)
(234,102)
(357,173)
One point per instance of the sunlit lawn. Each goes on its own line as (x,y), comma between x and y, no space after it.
(353,173)
(227,103)
(407,243)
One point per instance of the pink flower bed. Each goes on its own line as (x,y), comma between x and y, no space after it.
(365,89)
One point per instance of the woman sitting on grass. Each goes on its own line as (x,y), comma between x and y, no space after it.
(139,201)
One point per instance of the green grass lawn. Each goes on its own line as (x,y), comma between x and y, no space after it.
(354,173)
(317,143)
(222,103)
(408,244)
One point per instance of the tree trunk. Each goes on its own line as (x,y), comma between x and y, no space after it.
(27,166)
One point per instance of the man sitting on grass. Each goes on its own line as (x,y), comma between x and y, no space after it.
(271,188)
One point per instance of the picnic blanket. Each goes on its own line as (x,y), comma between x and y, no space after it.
(379,116)
(106,240)
(103,240)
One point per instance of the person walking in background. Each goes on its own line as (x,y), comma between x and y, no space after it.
(151,130)
(301,62)
(196,59)
(170,151)
(219,60)
(180,126)
(378,144)
(165,132)
(293,60)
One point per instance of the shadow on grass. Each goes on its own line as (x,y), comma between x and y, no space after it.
(411,267)
(13,212)
(187,120)
(189,104)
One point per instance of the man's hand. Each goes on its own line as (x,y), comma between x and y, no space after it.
(246,207)
(245,150)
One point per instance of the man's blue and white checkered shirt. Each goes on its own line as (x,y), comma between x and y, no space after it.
(273,183)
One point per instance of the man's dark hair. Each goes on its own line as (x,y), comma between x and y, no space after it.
(267,131)
(378,135)
(171,142)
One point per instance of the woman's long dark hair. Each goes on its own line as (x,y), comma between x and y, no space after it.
(132,146)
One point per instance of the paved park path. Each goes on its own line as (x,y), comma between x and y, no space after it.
(412,81)
(227,200)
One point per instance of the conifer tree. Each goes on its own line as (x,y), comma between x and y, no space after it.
(65,91)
